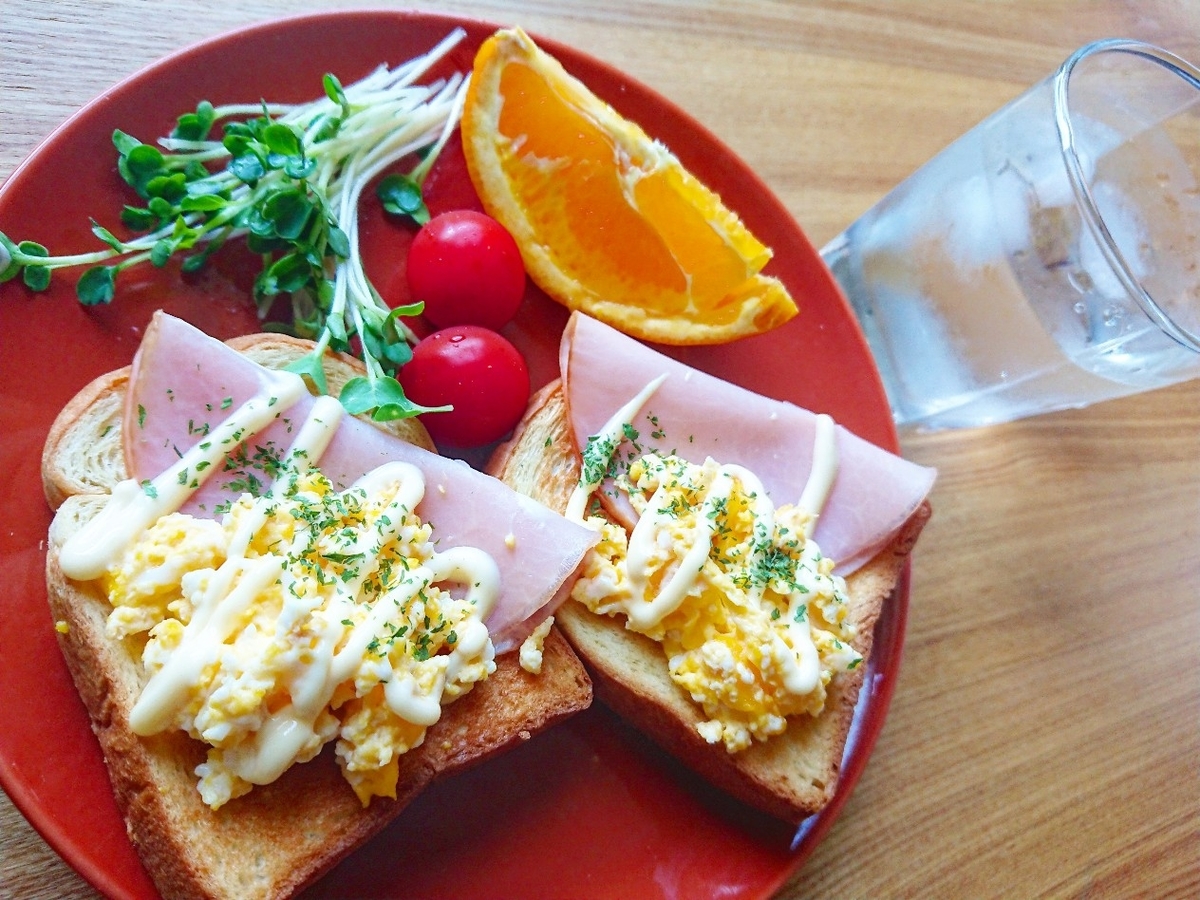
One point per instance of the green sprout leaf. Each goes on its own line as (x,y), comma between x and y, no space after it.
(171,187)
(281,139)
(137,218)
(140,166)
(9,265)
(310,368)
(161,208)
(404,311)
(337,242)
(248,168)
(401,196)
(288,211)
(289,273)
(195,126)
(335,92)
(386,343)
(107,236)
(36,278)
(97,285)
(299,167)
(124,142)
(161,252)
(383,397)
(203,203)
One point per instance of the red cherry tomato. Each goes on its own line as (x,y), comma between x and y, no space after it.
(476,371)
(467,269)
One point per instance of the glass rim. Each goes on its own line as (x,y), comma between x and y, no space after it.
(1083,193)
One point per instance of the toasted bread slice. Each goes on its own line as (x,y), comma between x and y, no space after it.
(282,836)
(791,775)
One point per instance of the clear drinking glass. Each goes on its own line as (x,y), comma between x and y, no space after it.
(1049,258)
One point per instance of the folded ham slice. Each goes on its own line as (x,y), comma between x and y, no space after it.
(696,415)
(184,383)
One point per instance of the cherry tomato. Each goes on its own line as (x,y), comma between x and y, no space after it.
(467,269)
(475,370)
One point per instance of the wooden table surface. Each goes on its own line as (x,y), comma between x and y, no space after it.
(1044,738)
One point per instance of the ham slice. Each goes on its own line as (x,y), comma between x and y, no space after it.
(183,383)
(696,415)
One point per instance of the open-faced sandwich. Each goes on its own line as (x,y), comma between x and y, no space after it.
(746,549)
(283,621)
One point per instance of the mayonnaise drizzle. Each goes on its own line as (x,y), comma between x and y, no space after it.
(824,472)
(340,650)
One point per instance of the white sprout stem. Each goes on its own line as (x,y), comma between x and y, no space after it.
(460,99)
(382,79)
(345,190)
(63,262)
(380,132)
(198,151)
(374,370)
(356,182)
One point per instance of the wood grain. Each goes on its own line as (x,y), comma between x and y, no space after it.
(1044,734)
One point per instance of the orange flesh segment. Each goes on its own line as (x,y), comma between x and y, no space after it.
(591,216)
(607,219)
(697,247)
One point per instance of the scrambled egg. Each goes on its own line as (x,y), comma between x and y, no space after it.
(296,620)
(532,648)
(754,625)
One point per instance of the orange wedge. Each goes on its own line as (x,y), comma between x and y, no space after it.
(607,219)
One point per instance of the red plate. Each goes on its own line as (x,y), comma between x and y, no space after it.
(586,810)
